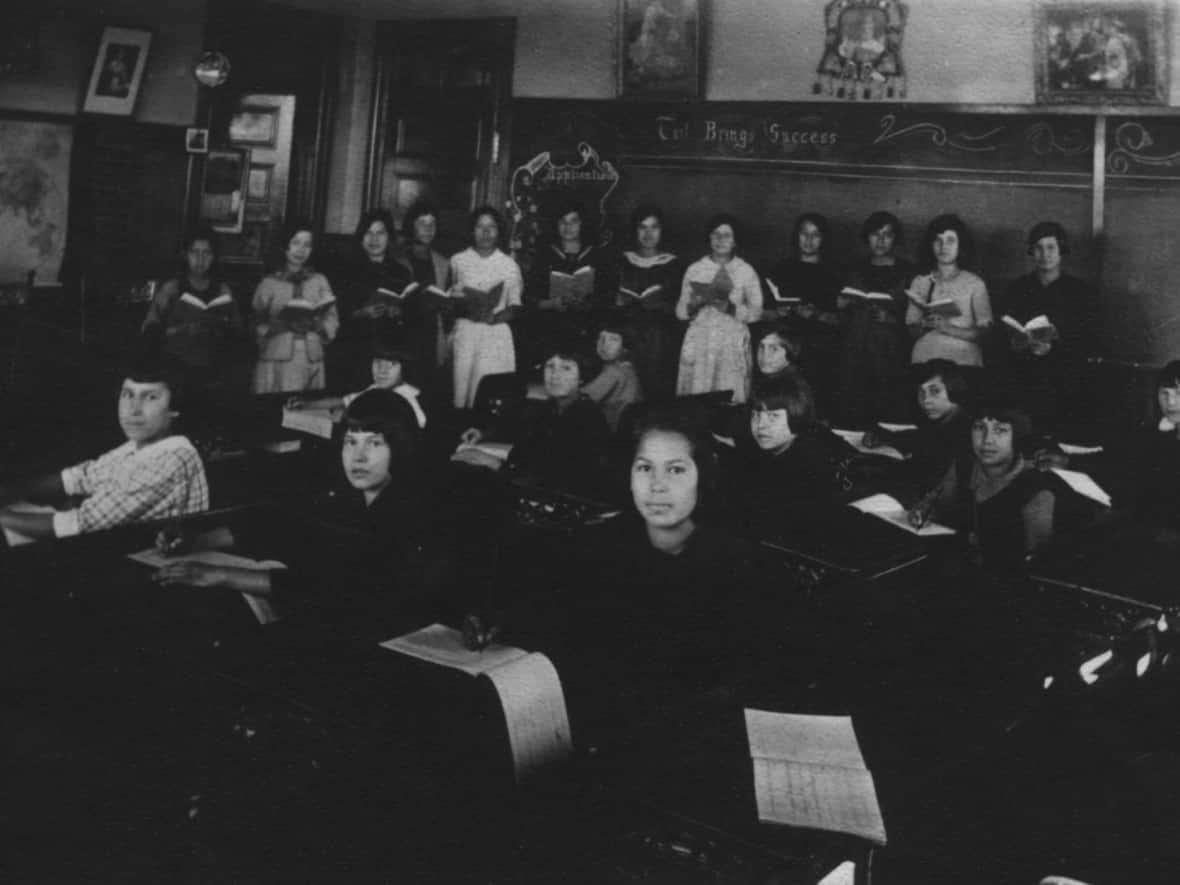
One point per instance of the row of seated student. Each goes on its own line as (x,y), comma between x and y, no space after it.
(687,330)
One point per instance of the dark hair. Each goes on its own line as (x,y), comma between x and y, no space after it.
(1168,376)
(1008,412)
(148,365)
(564,208)
(644,211)
(479,212)
(202,232)
(616,322)
(953,378)
(701,447)
(725,218)
(390,344)
(820,222)
(787,391)
(791,343)
(418,209)
(881,219)
(1044,229)
(371,216)
(279,248)
(572,350)
(387,413)
(942,223)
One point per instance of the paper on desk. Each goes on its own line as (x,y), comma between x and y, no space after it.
(263,611)
(17,539)
(809,772)
(896,428)
(844,874)
(317,422)
(439,644)
(856,438)
(1084,485)
(534,710)
(888,508)
(1071,449)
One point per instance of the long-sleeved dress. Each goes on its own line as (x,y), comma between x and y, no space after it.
(291,357)
(652,318)
(481,348)
(716,350)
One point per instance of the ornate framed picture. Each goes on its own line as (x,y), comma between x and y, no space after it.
(660,48)
(118,71)
(1101,53)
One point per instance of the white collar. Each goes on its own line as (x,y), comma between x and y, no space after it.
(649,261)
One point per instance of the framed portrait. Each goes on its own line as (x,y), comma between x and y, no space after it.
(1101,53)
(660,49)
(223,191)
(118,70)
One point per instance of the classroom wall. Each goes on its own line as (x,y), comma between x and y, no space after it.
(69,32)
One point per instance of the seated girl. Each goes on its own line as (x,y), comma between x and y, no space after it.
(789,463)
(996,495)
(388,567)
(616,385)
(389,360)
(776,352)
(944,428)
(565,447)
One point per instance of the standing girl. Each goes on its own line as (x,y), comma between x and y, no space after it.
(482,343)
(946,247)
(721,295)
(294,319)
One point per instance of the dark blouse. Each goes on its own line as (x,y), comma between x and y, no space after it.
(893,279)
(933,447)
(1150,486)
(637,275)
(564,450)
(816,284)
(204,338)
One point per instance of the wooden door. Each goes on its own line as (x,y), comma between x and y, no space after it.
(440,117)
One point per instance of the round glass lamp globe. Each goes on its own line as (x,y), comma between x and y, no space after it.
(212,69)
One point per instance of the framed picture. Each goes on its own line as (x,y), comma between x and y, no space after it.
(223,192)
(118,71)
(1101,53)
(196,141)
(660,48)
(255,126)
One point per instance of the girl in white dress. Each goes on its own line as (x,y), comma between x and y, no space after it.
(482,343)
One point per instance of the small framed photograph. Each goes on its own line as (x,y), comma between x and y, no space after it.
(118,71)
(255,126)
(196,141)
(1101,53)
(223,192)
(660,48)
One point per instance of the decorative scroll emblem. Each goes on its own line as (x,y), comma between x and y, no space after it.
(862,51)
(540,186)
(1133,144)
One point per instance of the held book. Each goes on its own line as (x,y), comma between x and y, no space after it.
(1039,328)
(855,438)
(639,296)
(302,311)
(193,301)
(526,683)
(263,611)
(943,307)
(571,288)
(480,303)
(410,290)
(888,508)
(809,772)
(711,295)
(777,294)
(867,296)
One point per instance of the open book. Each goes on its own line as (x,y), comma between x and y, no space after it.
(1039,328)
(943,307)
(777,294)
(480,303)
(711,295)
(868,296)
(1084,485)
(220,301)
(410,290)
(888,508)
(302,311)
(639,296)
(263,611)
(809,772)
(317,422)
(526,683)
(571,288)
(855,438)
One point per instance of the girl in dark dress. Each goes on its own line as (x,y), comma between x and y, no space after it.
(425,333)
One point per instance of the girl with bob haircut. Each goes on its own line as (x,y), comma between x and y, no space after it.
(294,317)
(946,249)
(720,297)
(427,267)
(483,343)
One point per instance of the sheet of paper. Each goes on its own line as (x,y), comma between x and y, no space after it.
(154,558)
(16,539)
(317,422)
(442,645)
(1072,449)
(809,772)
(896,428)
(499,450)
(855,438)
(844,874)
(534,709)
(890,510)
(1084,485)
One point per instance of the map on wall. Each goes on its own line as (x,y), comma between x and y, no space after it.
(34,199)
